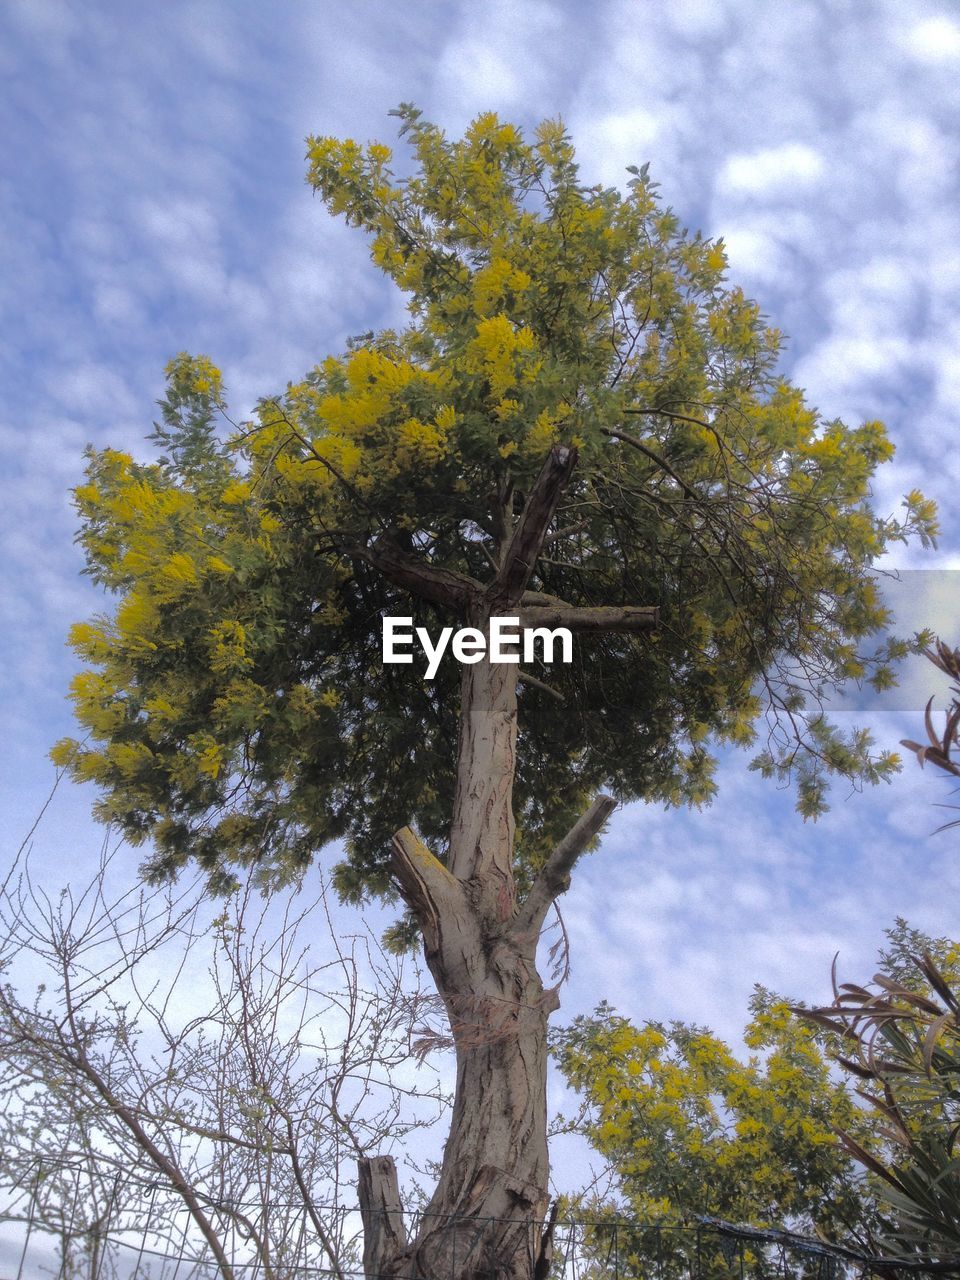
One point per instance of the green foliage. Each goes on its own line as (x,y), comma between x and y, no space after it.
(901,1045)
(235,704)
(690,1129)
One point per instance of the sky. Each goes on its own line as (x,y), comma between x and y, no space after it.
(152,199)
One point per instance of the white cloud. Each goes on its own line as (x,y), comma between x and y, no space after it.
(615,139)
(698,19)
(848,368)
(95,390)
(765,246)
(117,306)
(501,57)
(679,914)
(935,41)
(482,73)
(154,200)
(944,349)
(786,169)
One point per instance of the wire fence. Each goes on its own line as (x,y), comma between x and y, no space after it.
(66,1222)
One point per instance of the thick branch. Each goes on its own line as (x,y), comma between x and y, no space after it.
(554,876)
(587,620)
(528,537)
(323,1234)
(431,892)
(542,597)
(384,1235)
(430,582)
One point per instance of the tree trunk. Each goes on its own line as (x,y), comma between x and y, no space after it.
(485,1215)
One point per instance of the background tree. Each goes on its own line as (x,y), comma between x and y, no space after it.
(688,1129)
(582,425)
(138,1106)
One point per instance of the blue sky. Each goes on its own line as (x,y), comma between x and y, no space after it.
(153,199)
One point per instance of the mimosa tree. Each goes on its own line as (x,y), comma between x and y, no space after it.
(582,426)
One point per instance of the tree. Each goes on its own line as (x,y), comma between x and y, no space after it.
(138,1107)
(581,426)
(901,1044)
(690,1130)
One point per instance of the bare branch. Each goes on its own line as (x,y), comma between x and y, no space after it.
(428,888)
(440,586)
(554,877)
(587,621)
(526,678)
(236,1113)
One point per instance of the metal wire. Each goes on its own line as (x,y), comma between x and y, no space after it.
(145,1232)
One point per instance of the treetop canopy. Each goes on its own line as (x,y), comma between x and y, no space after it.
(236,705)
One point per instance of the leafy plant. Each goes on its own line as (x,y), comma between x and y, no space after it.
(901,1043)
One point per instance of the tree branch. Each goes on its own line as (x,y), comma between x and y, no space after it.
(432,893)
(526,678)
(667,413)
(445,587)
(528,537)
(542,597)
(74,1053)
(654,457)
(554,876)
(586,620)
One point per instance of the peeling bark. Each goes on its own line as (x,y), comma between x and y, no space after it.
(484,1217)
(495,1160)
(486,1214)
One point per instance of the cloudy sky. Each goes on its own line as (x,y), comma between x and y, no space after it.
(153,200)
